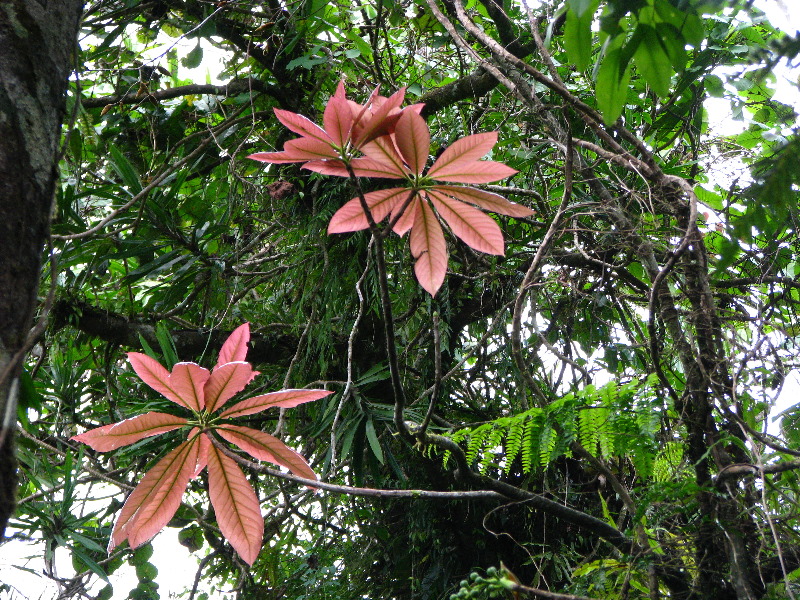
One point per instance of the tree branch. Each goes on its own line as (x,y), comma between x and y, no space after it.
(235,87)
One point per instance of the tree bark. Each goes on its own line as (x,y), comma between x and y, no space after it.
(38,41)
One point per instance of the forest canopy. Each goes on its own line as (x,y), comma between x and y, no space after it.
(498,284)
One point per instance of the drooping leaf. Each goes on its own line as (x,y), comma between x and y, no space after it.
(406,220)
(235,347)
(429,248)
(263,446)
(187,381)
(202,453)
(613,78)
(226,381)
(652,60)
(235,505)
(284,399)
(413,140)
(116,435)
(578,38)
(475,228)
(158,495)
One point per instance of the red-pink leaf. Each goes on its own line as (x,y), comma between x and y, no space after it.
(302,125)
(475,228)
(340,92)
(482,171)
(153,502)
(383,152)
(351,217)
(486,200)
(116,435)
(429,248)
(308,149)
(236,506)
(385,113)
(284,399)
(406,220)
(263,446)
(338,120)
(413,140)
(187,381)
(464,151)
(202,455)
(235,347)
(226,381)
(275,157)
(156,376)
(327,167)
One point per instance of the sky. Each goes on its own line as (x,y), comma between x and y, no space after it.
(176,565)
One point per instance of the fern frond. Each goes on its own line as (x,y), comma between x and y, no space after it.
(513,442)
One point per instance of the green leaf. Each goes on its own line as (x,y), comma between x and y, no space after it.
(126,171)
(374,442)
(613,79)
(653,61)
(167,345)
(93,566)
(582,7)
(578,39)
(194,57)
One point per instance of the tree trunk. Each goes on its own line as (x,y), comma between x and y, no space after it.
(38,40)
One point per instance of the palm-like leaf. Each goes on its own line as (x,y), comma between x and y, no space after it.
(153,502)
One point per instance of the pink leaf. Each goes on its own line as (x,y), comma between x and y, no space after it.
(482,171)
(303,126)
(226,381)
(187,381)
(338,120)
(340,92)
(429,248)
(284,398)
(156,376)
(477,229)
(351,217)
(308,149)
(116,435)
(328,167)
(383,152)
(406,220)
(413,140)
(263,446)
(158,495)
(236,506)
(275,157)
(202,455)
(385,113)
(466,150)
(486,200)
(235,347)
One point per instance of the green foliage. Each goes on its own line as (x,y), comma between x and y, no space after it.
(166,238)
(611,421)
